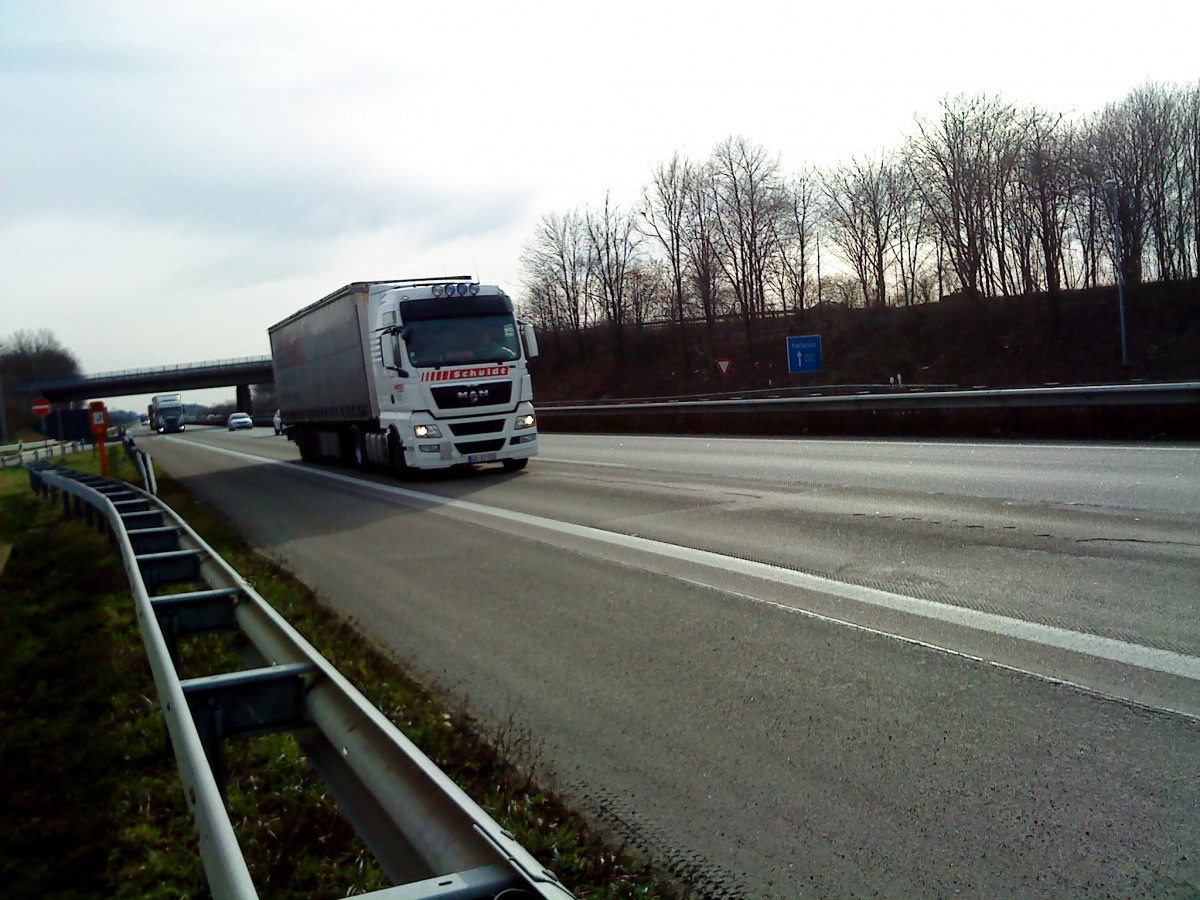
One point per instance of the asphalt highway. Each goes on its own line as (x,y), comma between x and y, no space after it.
(795,668)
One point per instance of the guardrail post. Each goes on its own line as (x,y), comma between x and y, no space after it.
(168,567)
(245,704)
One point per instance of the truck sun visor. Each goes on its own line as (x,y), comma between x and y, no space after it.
(447,307)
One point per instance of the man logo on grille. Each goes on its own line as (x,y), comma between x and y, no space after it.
(473,396)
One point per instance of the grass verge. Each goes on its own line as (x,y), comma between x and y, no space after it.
(92,801)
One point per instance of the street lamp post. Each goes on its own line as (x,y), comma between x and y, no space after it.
(1111,184)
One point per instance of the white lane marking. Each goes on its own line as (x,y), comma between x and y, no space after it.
(1124,652)
(581,462)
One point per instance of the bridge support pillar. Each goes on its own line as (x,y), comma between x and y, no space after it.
(243,398)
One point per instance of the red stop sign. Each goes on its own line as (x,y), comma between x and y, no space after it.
(41,407)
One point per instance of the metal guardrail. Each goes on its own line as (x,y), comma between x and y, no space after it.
(18,454)
(433,841)
(142,462)
(898,399)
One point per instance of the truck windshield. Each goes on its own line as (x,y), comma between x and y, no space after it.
(461,341)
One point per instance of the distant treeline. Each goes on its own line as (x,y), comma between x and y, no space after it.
(989,199)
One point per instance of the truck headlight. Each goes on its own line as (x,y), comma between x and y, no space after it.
(427,431)
(526,421)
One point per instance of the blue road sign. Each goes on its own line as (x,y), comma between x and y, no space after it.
(804,353)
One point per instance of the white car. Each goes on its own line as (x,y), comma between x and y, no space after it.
(239,420)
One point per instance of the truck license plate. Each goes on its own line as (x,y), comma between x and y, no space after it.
(482,457)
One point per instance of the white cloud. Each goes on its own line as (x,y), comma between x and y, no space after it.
(221,164)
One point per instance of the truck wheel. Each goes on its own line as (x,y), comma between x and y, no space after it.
(396,457)
(361,461)
(514,465)
(308,446)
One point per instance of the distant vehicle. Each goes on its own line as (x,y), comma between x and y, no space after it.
(277,421)
(412,374)
(239,420)
(166,413)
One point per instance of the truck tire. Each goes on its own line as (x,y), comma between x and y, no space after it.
(361,461)
(396,457)
(514,465)
(307,443)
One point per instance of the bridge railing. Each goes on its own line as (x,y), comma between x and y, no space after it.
(208,365)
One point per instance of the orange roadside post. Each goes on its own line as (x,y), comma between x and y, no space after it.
(98,416)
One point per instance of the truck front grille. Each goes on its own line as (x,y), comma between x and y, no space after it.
(465,396)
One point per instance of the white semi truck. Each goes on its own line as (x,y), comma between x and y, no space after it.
(166,413)
(413,374)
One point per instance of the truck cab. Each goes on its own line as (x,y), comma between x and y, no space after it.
(166,413)
(453,375)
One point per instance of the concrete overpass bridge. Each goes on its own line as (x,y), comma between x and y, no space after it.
(236,373)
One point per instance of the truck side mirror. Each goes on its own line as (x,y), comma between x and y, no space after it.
(531,347)
(387,352)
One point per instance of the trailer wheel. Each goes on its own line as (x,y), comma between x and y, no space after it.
(361,461)
(307,443)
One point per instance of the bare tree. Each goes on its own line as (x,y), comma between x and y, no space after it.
(796,238)
(1189,192)
(556,269)
(862,216)
(649,292)
(747,193)
(700,248)
(914,239)
(954,162)
(1147,145)
(665,220)
(612,242)
(1121,152)
(1047,188)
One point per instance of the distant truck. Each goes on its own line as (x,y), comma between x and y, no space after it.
(166,413)
(412,374)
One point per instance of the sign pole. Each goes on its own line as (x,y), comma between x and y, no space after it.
(41,409)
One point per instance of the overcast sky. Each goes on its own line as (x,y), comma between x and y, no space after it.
(176,177)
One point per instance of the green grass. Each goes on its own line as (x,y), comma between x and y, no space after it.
(91,796)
